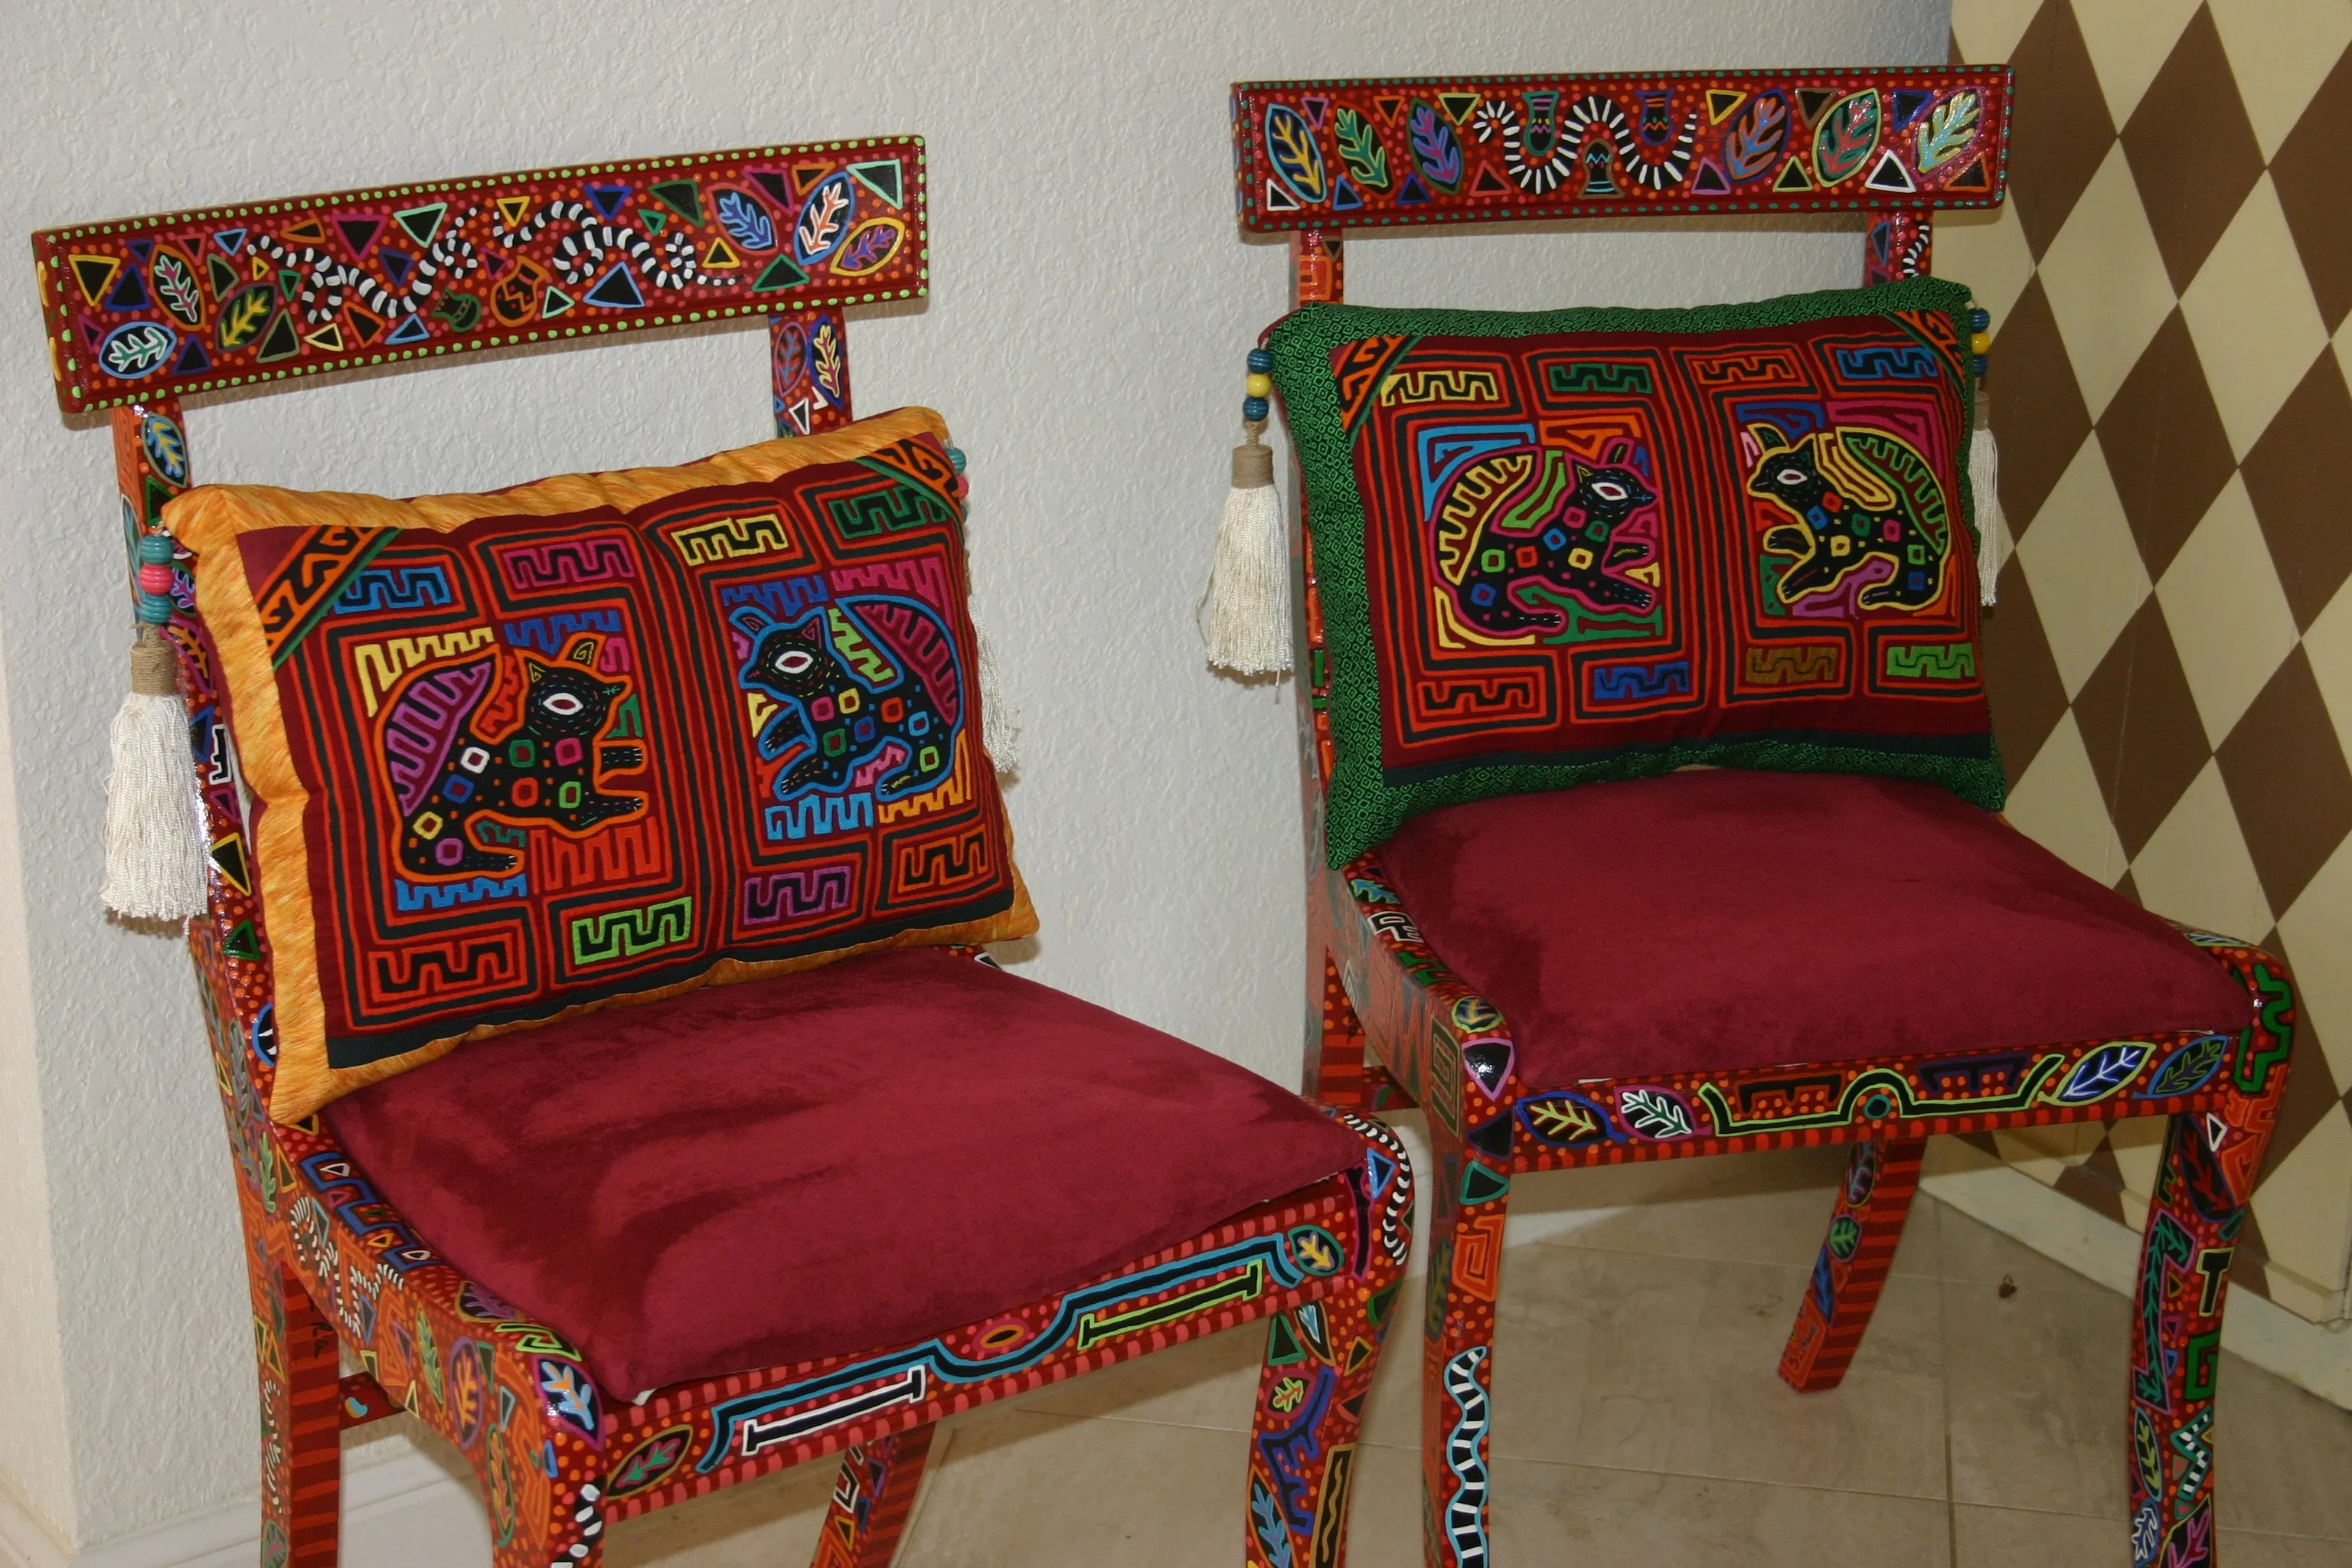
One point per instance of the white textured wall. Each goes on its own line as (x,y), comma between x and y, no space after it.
(1085,339)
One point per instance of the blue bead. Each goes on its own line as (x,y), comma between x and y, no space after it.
(155,547)
(155,609)
(1976,364)
(1260,362)
(1254,408)
(1980,320)
(955,458)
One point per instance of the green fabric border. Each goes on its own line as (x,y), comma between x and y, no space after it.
(1361,809)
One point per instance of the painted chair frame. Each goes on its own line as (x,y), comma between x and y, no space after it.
(142,311)
(1389,1025)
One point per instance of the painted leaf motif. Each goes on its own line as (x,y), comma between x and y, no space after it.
(2103,1071)
(245,313)
(569,1395)
(137,349)
(874,242)
(824,359)
(2188,1068)
(1653,1114)
(166,450)
(1436,150)
(1951,127)
(175,285)
(1361,150)
(1754,142)
(824,219)
(745,220)
(1265,1522)
(1561,1120)
(1290,144)
(1846,136)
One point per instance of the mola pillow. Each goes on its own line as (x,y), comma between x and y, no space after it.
(1587,545)
(603,737)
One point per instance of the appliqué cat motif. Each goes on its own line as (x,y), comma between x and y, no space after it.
(1525,516)
(850,713)
(1858,495)
(550,768)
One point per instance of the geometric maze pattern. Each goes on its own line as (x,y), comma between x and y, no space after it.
(2170,662)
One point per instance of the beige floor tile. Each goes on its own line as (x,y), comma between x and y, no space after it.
(2284,1459)
(1771,1207)
(2250,1549)
(1547,1514)
(1209,1382)
(1638,1362)
(772,1520)
(2037,1398)
(2014,1538)
(1976,1253)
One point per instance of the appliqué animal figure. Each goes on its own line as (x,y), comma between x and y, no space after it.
(1533,515)
(834,721)
(548,769)
(1858,495)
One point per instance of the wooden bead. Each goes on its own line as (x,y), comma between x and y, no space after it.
(1259,385)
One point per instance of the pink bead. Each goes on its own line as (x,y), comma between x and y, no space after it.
(155,577)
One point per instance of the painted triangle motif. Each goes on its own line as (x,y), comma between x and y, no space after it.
(1316,108)
(1811,101)
(1488,184)
(412,330)
(1312,1330)
(364,326)
(1390,107)
(328,337)
(1708,180)
(129,291)
(1482,1184)
(556,302)
(243,941)
(1889,175)
(655,222)
(883,177)
(511,210)
(396,264)
(1971,178)
(359,233)
(192,360)
(607,199)
(1344,198)
(1720,102)
(617,290)
(93,273)
(799,414)
(1458,106)
(2217,1131)
(773,183)
(1412,192)
(781,273)
(1282,1346)
(309,231)
(1792,177)
(230,241)
(1279,200)
(1357,1354)
(805,177)
(1909,103)
(721,255)
(421,224)
(280,342)
(221,276)
(683,197)
(142,250)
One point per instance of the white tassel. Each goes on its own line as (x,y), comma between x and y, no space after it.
(1000,722)
(1992,524)
(154,819)
(1249,581)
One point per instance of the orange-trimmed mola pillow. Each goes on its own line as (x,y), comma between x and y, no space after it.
(605,737)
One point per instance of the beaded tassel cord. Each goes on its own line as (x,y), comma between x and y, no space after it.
(1248,601)
(154,825)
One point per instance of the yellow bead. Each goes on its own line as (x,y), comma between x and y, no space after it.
(1979,342)
(1259,385)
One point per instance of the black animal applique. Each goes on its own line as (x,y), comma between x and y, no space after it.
(549,768)
(1858,495)
(1526,516)
(833,723)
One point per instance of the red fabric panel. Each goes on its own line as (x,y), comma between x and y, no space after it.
(1716,920)
(820,1163)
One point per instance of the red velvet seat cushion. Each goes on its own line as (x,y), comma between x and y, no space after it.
(1708,920)
(838,1161)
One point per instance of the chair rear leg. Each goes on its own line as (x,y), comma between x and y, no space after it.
(872,1499)
(1864,1229)
(1335,1043)
(1469,1203)
(1319,1361)
(296,1358)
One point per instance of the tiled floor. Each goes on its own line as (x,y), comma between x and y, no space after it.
(1638,1418)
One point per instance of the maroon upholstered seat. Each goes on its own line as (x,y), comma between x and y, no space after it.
(861,1155)
(1717,920)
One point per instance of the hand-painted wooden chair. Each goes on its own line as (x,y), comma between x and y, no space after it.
(636,1255)
(1688,962)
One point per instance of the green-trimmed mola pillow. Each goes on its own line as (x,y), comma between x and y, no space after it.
(1558,547)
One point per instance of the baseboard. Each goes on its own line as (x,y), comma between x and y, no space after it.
(2306,1354)
(399,1510)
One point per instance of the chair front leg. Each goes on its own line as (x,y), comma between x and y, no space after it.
(872,1499)
(295,1357)
(1866,1226)
(1469,1203)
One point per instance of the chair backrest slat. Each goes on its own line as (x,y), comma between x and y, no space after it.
(143,310)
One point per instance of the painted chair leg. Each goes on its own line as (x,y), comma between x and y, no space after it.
(301,1420)
(872,1499)
(1319,1362)
(1469,1201)
(1864,1229)
(1335,1065)
(2183,1284)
